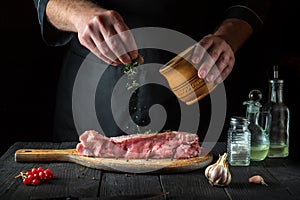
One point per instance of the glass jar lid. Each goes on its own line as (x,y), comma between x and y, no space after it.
(238,120)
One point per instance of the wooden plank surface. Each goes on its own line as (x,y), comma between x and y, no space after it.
(192,185)
(118,185)
(74,181)
(240,188)
(287,174)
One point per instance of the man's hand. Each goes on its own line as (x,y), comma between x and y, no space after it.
(215,53)
(108,37)
(102,31)
(215,58)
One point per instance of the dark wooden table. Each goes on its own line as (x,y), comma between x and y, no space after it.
(73,181)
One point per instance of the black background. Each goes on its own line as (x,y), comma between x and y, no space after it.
(30,70)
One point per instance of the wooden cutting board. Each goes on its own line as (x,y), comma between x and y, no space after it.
(113,164)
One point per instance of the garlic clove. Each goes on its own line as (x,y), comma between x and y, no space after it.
(258,180)
(218,173)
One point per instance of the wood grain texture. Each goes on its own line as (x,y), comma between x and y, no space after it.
(74,181)
(183,78)
(113,164)
(130,183)
(191,185)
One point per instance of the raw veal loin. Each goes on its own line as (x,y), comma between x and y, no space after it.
(177,145)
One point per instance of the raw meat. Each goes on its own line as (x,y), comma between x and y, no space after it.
(178,145)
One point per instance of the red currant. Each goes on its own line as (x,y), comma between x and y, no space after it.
(34,170)
(42,175)
(49,174)
(35,181)
(26,181)
(28,173)
(40,169)
(36,176)
(30,177)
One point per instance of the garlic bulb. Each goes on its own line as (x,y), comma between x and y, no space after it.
(218,174)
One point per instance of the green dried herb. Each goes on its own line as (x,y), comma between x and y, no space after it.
(133,84)
(131,71)
(150,132)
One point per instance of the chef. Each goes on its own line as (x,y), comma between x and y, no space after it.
(109,34)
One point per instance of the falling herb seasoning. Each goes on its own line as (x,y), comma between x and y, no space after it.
(131,71)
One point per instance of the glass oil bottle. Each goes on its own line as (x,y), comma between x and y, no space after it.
(260,142)
(278,123)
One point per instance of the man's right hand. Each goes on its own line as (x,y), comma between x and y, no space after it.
(108,37)
(102,31)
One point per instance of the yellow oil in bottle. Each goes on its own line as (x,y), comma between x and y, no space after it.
(280,150)
(259,153)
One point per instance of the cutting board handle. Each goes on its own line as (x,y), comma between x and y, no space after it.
(113,164)
(44,155)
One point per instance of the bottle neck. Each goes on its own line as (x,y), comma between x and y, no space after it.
(276,92)
(252,117)
(252,113)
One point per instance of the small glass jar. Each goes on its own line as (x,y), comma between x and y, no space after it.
(239,142)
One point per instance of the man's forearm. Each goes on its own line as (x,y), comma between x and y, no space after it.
(65,14)
(235,32)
